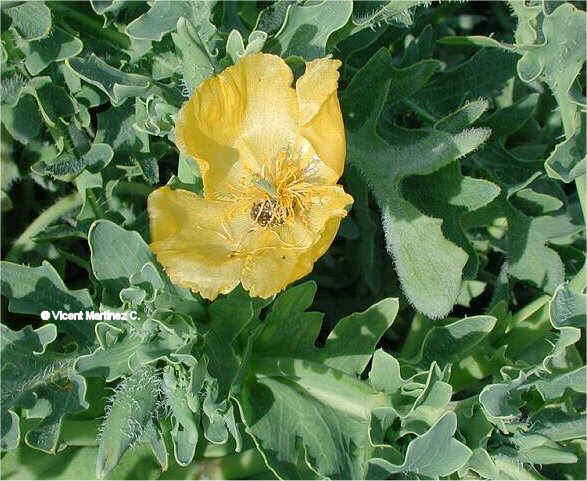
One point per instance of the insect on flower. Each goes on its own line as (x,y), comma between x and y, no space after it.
(270,156)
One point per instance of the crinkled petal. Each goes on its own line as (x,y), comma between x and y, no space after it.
(267,274)
(194,242)
(320,116)
(305,230)
(253,102)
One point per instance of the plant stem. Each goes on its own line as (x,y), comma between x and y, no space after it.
(568,116)
(96,207)
(581,185)
(63,10)
(80,433)
(25,242)
(530,309)
(237,466)
(133,188)
(579,282)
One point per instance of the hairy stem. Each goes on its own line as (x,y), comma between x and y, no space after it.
(25,242)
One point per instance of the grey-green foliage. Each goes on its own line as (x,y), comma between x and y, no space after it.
(44,384)
(464,161)
(180,399)
(550,43)
(312,394)
(385,12)
(435,453)
(31,290)
(116,84)
(196,60)
(558,58)
(58,45)
(454,341)
(32,20)
(568,307)
(129,419)
(307,28)
(431,278)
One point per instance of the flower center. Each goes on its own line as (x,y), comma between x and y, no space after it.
(268,213)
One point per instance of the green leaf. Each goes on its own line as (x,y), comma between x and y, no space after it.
(436,453)
(308,27)
(481,463)
(235,46)
(320,412)
(482,75)
(21,346)
(186,423)
(529,257)
(155,116)
(22,121)
(12,86)
(32,20)
(508,120)
(65,396)
(568,160)
(117,254)
(121,258)
(196,61)
(32,290)
(538,449)
(504,400)
(54,102)
(567,308)
(313,394)
(116,84)
(159,20)
(558,425)
(188,171)
(76,462)
(129,419)
(228,316)
(366,247)
(116,128)
(102,6)
(455,341)
(409,80)
(58,45)
(43,383)
(431,401)
(68,165)
(463,117)
(289,325)
(554,386)
(385,12)
(431,278)
(473,40)
(271,18)
(128,346)
(559,58)
(448,195)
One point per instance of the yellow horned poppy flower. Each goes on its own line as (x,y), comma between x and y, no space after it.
(270,156)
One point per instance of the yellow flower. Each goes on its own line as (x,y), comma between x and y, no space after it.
(270,156)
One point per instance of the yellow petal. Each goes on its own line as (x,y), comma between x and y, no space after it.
(267,274)
(320,116)
(251,102)
(307,228)
(191,242)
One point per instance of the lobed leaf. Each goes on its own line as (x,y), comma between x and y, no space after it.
(32,290)
(430,278)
